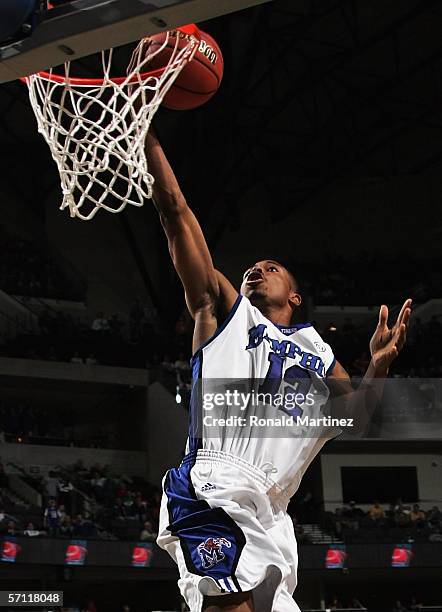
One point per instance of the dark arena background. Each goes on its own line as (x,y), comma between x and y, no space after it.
(323,148)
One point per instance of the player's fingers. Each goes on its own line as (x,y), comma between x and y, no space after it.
(406,305)
(406,317)
(394,351)
(388,355)
(383,316)
(400,336)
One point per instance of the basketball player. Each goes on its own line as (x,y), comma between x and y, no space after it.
(223,513)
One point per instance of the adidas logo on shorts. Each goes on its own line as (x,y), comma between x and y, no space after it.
(208,487)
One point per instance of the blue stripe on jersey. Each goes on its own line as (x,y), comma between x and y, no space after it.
(210,539)
(332,365)
(195,442)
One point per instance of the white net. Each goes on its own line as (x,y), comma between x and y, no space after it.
(96,129)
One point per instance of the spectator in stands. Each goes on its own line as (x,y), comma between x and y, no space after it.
(399,607)
(11,529)
(76,358)
(51,482)
(417,517)
(434,518)
(62,511)
(339,521)
(138,510)
(66,530)
(91,359)
(147,534)
(79,527)
(401,515)
(119,511)
(376,513)
(352,515)
(51,518)
(31,532)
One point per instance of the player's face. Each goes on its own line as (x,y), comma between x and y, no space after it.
(267,282)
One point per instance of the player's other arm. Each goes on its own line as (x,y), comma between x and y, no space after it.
(187,246)
(385,346)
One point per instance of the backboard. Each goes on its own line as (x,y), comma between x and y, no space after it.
(84,27)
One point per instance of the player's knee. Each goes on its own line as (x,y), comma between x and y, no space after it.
(235,602)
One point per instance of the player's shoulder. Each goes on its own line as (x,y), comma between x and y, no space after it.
(311,334)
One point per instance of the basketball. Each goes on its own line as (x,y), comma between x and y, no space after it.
(199,79)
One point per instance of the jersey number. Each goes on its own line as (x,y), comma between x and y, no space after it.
(298,385)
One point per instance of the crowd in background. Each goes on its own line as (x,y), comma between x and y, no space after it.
(91,503)
(338,602)
(134,340)
(421,356)
(139,342)
(137,338)
(30,269)
(369,279)
(22,422)
(396,521)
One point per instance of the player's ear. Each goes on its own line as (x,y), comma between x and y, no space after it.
(295,299)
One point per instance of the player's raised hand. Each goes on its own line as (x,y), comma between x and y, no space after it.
(386,342)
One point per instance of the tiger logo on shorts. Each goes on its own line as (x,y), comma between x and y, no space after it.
(211,551)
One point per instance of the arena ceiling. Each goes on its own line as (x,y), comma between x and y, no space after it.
(314,90)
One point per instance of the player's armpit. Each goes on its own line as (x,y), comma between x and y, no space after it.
(227,296)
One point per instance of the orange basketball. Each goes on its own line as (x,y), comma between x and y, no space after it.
(200,78)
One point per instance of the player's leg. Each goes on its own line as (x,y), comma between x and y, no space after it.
(237,602)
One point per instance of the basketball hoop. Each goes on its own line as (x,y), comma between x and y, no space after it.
(96,128)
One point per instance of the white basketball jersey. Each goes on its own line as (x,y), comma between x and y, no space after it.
(276,416)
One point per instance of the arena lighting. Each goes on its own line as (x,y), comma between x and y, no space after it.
(178,397)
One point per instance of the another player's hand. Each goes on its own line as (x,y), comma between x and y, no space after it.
(386,342)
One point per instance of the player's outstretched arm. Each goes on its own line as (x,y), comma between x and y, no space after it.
(187,246)
(385,345)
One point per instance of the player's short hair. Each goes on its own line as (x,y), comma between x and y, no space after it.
(294,282)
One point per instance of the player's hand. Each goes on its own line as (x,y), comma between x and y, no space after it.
(386,342)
